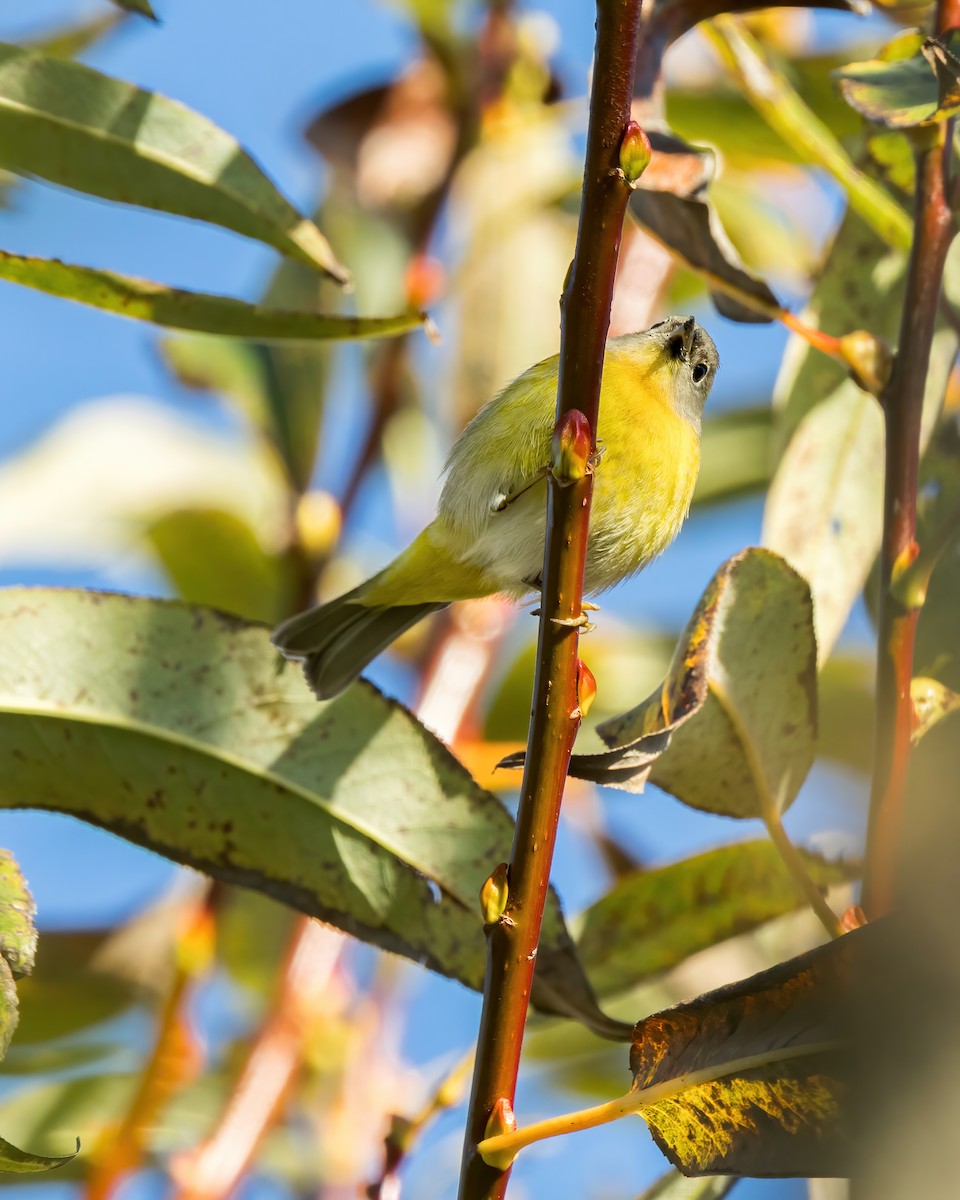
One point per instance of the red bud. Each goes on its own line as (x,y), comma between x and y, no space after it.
(635,152)
(571,447)
(586,687)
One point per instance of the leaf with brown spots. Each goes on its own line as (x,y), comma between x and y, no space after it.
(181,729)
(748,1079)
(738,709)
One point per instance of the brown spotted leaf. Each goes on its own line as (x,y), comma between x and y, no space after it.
(733,726)
(180,729)
(748,1079)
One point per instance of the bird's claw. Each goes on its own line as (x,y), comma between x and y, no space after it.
(581,622)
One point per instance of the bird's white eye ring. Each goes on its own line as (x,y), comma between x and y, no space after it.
(699,371)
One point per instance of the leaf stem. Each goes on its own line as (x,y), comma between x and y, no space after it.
(794,863)
(770,813)
(788,115)
(639,1098)
(902,402)
(585,317)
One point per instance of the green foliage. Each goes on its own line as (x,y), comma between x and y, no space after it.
(177,726)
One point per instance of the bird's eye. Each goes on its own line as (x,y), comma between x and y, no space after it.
(699,371)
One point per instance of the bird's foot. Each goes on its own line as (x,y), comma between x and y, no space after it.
(581,622)
(588,607)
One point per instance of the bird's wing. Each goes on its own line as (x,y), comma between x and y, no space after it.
(502,452)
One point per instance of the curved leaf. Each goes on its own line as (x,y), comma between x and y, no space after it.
(180,728)
(653,920)
(738,708)
(824,508)
(750,1075)
(902,93)
(199,312)
(71,125)
(20,1162)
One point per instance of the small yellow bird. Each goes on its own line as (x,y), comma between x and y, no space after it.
(488,535)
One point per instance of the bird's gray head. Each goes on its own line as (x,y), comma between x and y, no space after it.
(688,351)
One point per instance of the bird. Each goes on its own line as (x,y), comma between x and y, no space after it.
(488,535)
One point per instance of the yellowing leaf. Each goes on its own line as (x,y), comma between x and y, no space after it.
(733,727)
(902,93)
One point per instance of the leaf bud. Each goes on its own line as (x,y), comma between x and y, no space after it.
(571,447)
(494,895)
(868,358)
(501,1121)
(586,687)
(635,152)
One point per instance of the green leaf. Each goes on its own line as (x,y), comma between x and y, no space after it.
(197,311)
(740,701)
(20,1162)
(747,1080)
(69,41)
(653,920)
(73,126)
(18,932)
(214,558)
(736,455)
(673,1186)
(137,6)
(824,508)
(180,729)
(932,701)
(903,93)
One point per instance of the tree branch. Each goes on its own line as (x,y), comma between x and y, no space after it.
(903,405)
(585,312)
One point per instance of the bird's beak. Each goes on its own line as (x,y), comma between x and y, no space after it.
(689,331)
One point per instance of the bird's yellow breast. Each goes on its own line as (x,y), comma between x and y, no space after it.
(646,475)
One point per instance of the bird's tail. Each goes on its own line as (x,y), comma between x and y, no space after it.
(335,641)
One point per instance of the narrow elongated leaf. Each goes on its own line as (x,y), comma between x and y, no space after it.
(903,93)
(180,729)
(689,227)
(197,311)
(653,920)
(214,558)
(142,7)
(751,1075)
(73,126)
(824,508)
(739,705)
(70,40)
(20,1162)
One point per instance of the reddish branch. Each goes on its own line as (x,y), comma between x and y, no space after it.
(903,406)
(585,306)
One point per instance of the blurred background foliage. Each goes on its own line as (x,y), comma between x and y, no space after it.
(196,1035)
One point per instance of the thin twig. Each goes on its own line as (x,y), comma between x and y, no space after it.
(903,405)
(512,943)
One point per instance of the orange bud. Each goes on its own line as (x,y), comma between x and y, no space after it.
(853,918)
(586,687)
(868,358)
(635,152)
(424,281)
(494,895)
(571,447)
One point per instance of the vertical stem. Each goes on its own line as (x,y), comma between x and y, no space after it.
(903,405)
(585,311)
